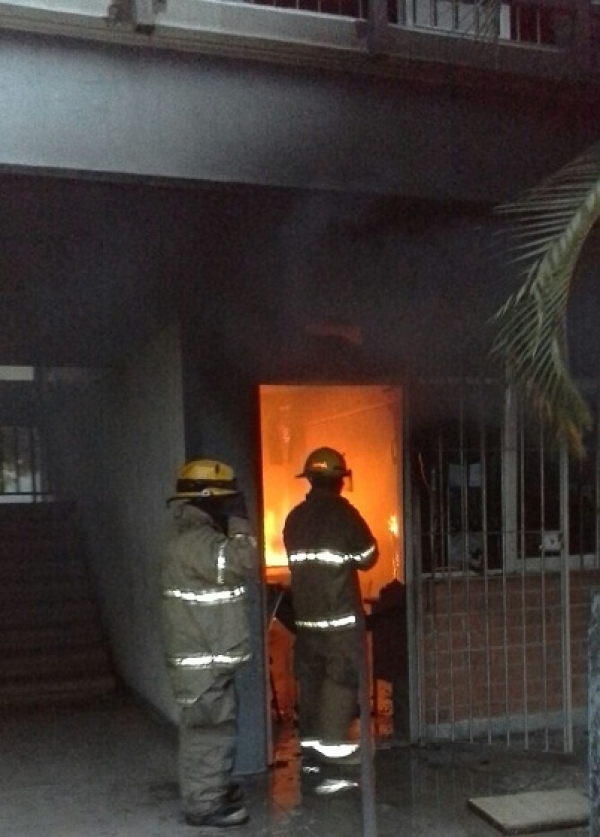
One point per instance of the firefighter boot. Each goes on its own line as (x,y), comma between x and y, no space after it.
(228,815)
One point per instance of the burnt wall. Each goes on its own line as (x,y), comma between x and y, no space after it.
(295,286)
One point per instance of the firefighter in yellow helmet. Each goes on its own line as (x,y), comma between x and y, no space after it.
(327,542)
(208,558)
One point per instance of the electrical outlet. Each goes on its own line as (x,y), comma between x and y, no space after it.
(551,541)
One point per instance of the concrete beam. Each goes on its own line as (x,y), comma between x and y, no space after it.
(76,107)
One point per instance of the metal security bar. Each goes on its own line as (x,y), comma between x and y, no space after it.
(524,22)
(357,9)
(521,22)
(473,17)
(504,549)
(541,24)
(22,472)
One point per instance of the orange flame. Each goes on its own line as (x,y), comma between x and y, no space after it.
(275,554)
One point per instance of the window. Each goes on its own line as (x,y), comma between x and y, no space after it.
(22,473)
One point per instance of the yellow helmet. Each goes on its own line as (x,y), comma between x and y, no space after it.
(205,478)
(325,462)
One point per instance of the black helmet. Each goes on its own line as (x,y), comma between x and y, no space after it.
(326,463)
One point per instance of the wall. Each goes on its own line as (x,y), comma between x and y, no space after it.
(127,437)
(419,279)
(465,628)
(416,280)
(121,443)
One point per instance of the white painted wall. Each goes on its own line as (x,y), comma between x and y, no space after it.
(121,444)
(125,441)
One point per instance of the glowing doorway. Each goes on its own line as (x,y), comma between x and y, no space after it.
(362,422)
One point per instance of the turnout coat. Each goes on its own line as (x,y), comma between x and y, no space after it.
(203,579)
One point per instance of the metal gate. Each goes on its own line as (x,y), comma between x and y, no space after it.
(502,550)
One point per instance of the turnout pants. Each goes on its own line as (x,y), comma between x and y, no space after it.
(327,670)
(208,744)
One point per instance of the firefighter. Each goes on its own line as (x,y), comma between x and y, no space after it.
(209,556)
(327,541)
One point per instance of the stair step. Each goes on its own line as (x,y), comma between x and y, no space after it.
(48,665)
(57,690)
(57,636)
(41,574)
(42,550)
(55,590)
(19,527)
(26,561)
(20,542)
(38,512)
(44,524)
(37,535)
(47,614)
(52,646)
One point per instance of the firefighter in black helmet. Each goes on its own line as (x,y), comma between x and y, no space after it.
(208,558)
(327,541)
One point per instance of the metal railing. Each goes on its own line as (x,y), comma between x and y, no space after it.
(505,547)
(356,9)
(536,38)
(523,22)
(482,18)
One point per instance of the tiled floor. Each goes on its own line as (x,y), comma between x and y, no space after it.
(110,771)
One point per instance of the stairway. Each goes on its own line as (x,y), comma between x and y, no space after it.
(52,646)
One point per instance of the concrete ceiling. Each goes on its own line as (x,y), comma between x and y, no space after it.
(85,267)
(89,268)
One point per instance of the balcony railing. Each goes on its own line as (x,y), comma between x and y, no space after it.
(554,38)
(357,9)
(520,22)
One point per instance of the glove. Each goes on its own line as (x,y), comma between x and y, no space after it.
(234,505)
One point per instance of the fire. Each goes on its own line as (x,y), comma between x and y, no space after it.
(275,554)
(364,423)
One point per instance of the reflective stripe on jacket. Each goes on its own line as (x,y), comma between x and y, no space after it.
(327,556)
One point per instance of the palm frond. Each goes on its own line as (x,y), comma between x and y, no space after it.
(548,227)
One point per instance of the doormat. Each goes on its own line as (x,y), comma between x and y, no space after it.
(526,813)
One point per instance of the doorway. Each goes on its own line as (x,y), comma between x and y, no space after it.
(364,423)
